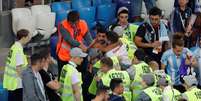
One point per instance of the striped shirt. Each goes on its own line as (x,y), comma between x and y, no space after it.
(173,62)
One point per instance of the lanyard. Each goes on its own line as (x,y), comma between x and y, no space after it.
(182,21)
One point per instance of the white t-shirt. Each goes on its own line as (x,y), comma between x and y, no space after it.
(75,77)
(19,61)
(122,54)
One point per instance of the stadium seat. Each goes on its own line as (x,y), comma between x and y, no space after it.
(22,19)
(106,14)
(88,14)
(58,6)
(101,2)
(77,4)
(60,16)
(53,44)
(167,6)
(44,20)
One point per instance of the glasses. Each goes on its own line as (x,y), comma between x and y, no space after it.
(123,17)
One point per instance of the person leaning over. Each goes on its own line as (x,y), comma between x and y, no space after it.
(71,32)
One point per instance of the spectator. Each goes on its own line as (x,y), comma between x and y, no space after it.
(150,92)
(71,34)
(151,34)
(168,92)
(137,8)
(116,85)
(33,87)
(130,45)
(71,79)
(192,93)
(138,68)
(102,94)
(118,49)
(129,29)
(177,60)
(50,82)
(180,19)
(16,62)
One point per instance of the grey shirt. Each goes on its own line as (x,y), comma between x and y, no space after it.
(144,97)
(31,89)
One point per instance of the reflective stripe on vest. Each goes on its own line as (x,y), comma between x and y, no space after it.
(63,48)
(154,93)
(66,83)
(118,74)
(10,80)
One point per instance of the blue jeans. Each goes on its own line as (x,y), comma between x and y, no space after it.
(137,6)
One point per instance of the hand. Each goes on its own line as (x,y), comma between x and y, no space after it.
(155,44)
(83,47)
(19,71)
(188,60)
(97,78)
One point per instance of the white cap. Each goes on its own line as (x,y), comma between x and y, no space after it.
(121,9)
(77,52)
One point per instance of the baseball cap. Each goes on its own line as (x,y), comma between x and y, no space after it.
(77,52)
(190,80)
(122,9)
(148,78)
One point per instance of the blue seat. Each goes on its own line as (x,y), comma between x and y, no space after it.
(77,4)
(106,14)
(101,2)
(89,15)
(58,6)
(3,93)
(96,2)
(124,3)
(53,45)
(60,16)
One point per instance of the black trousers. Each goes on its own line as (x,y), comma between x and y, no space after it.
(15,95)
(60,65)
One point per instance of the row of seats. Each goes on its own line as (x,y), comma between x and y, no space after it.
(103,11)
(37,19)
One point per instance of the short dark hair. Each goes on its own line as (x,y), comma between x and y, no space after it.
(155,11)
(44,52)
(177,40)
(140,54)
(107,61)
(22,33)
(115,83)
(36,57)
(112,36)
(123,12)
(73,16)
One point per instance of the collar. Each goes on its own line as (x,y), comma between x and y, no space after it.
(72,64)
(19,44)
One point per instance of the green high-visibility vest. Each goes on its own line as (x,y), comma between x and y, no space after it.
(130,31)
(131,47)
(106,79)
(154,93)
(172,94)
(136,86)
(66,90)
(10,80)
(194,94)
